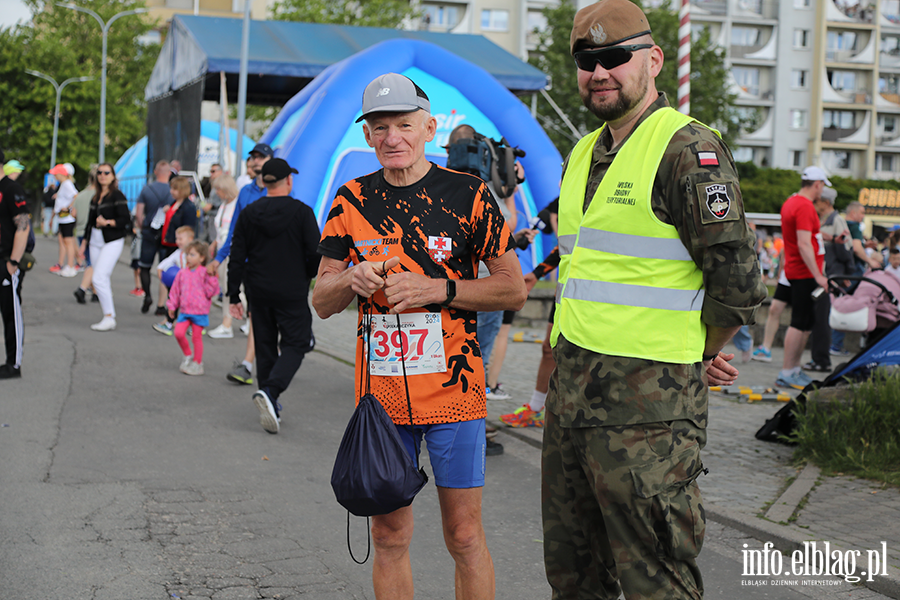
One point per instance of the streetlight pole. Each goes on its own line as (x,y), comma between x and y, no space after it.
(105,27)
(59,89)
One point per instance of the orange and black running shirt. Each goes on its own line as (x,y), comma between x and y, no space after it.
(440,227)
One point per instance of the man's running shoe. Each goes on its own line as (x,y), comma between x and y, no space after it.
(524,416)
(164,328)
(838,352)
(245,328)
(221,333)
(798,380)
(56,268)
(81,296)
(268,415)
(496,393)
(145,305)
(137,293)
(814,366)
(240,374)
(763,354)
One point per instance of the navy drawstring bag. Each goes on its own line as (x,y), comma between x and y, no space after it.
(373,473)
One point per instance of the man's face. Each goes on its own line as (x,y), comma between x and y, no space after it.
(612,94)
(256,162)
(215,171)
(856,214)
(399,138)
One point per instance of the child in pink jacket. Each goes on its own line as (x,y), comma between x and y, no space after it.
(191,294)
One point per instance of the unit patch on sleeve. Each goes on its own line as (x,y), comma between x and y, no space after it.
(717,203)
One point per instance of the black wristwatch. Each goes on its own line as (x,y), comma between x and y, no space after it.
(14,263)
(707,357)
(451,293)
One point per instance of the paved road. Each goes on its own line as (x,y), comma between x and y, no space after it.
(124,479)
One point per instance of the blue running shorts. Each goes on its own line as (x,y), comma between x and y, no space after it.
(456,451)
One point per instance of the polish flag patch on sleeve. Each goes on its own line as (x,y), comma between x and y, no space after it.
(708,159)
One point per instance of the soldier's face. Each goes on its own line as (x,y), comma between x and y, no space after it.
(612,94)
(399,138)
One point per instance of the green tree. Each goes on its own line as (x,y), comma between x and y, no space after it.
(708,73)
(64,43)
(363,13)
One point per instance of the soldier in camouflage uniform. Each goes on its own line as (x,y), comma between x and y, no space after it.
(621,451)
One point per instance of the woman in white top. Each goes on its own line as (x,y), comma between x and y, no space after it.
(227,190)
(65,216)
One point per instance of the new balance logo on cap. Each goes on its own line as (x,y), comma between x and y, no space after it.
(384,91)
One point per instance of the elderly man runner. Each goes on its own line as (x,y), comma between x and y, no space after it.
(657,272)
(415,233)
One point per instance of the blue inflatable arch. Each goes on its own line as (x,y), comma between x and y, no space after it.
(317,134)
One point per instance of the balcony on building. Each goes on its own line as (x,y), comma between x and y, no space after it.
(887,131)
(850,47)
(850,11)
(752,84)
(445,17)
(844,162)
(846,86)
(887,164)
(846,126)
(888,97)
(890,14)
(753,42)
(717,8)
(759,155)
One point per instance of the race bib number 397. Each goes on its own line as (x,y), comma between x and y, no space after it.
(421,338)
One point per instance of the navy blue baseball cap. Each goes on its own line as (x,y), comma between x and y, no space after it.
(264,149)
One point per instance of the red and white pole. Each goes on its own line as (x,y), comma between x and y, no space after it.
(684,58)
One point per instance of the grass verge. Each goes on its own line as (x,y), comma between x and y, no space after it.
(860,436)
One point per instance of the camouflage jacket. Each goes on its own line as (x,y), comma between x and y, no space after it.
(696,190)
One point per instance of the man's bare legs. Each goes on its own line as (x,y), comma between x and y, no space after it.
(391,571)
(463,535)
(773,321)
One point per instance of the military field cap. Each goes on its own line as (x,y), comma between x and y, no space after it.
(393,93)
(606,23)
(276,170)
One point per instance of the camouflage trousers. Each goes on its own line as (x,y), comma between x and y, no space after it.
(621,506)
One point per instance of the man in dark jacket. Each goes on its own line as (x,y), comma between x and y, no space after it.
(273,252)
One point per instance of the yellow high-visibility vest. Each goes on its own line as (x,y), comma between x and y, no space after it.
(627,285)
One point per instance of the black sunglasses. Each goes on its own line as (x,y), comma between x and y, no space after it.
(608,58)
(104,172)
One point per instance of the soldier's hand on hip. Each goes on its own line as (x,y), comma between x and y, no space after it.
(719,372)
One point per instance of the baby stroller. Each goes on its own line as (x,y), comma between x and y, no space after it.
(871,309)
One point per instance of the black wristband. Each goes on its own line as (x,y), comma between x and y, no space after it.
(14,263)
(451,293)
(707,357)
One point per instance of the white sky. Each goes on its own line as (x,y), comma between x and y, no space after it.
(12,11)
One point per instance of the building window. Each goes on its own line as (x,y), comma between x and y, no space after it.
(494,20)
(440,16)
(842,80)
(890,44)
(891,10)
(801,38)
(841,119)
(840,159)
(889,84)
(798,158)
(802,3)
(754,6)
(747,79)
(888,123)
(885,162)
(799,79)
(840,45)
(744,36)
(798,118)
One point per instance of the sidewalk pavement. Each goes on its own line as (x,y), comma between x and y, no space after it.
(746,476)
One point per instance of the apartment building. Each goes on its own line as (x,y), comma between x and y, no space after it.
(821,78)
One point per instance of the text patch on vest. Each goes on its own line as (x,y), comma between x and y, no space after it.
(717,202)
(623,194)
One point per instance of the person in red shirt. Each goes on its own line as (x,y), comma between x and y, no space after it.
(804,257)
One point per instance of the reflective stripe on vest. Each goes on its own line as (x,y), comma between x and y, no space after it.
(627,285)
